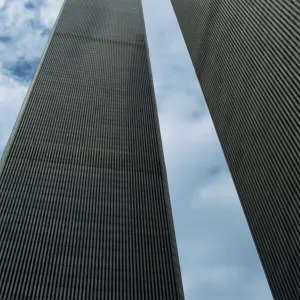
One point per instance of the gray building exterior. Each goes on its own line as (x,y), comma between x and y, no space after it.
(84,205)
(247,58)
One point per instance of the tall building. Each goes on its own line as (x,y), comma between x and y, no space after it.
(247,58)
(84,204)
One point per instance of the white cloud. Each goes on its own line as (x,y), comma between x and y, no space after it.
(49,11)
(2,2)
(12,94)
(22,26)
(220,193)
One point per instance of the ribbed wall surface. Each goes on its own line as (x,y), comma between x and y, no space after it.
(84,205)
(247,58)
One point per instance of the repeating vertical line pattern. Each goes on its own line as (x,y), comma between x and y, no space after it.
(246,55)
(84,204)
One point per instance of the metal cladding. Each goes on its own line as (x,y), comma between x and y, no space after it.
(247,58)
(84,205)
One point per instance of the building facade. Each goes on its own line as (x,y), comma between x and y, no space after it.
(246,55)
(84,204)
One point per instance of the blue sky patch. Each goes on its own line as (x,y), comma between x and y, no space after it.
(46,32)
(5,39)
(29,5)
(21,70)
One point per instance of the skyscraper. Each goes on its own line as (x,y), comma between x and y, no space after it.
(84,204)
(247,57)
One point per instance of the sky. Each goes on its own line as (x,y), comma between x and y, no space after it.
(217,255)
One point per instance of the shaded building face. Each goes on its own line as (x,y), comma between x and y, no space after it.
(84,204)
(246,56)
